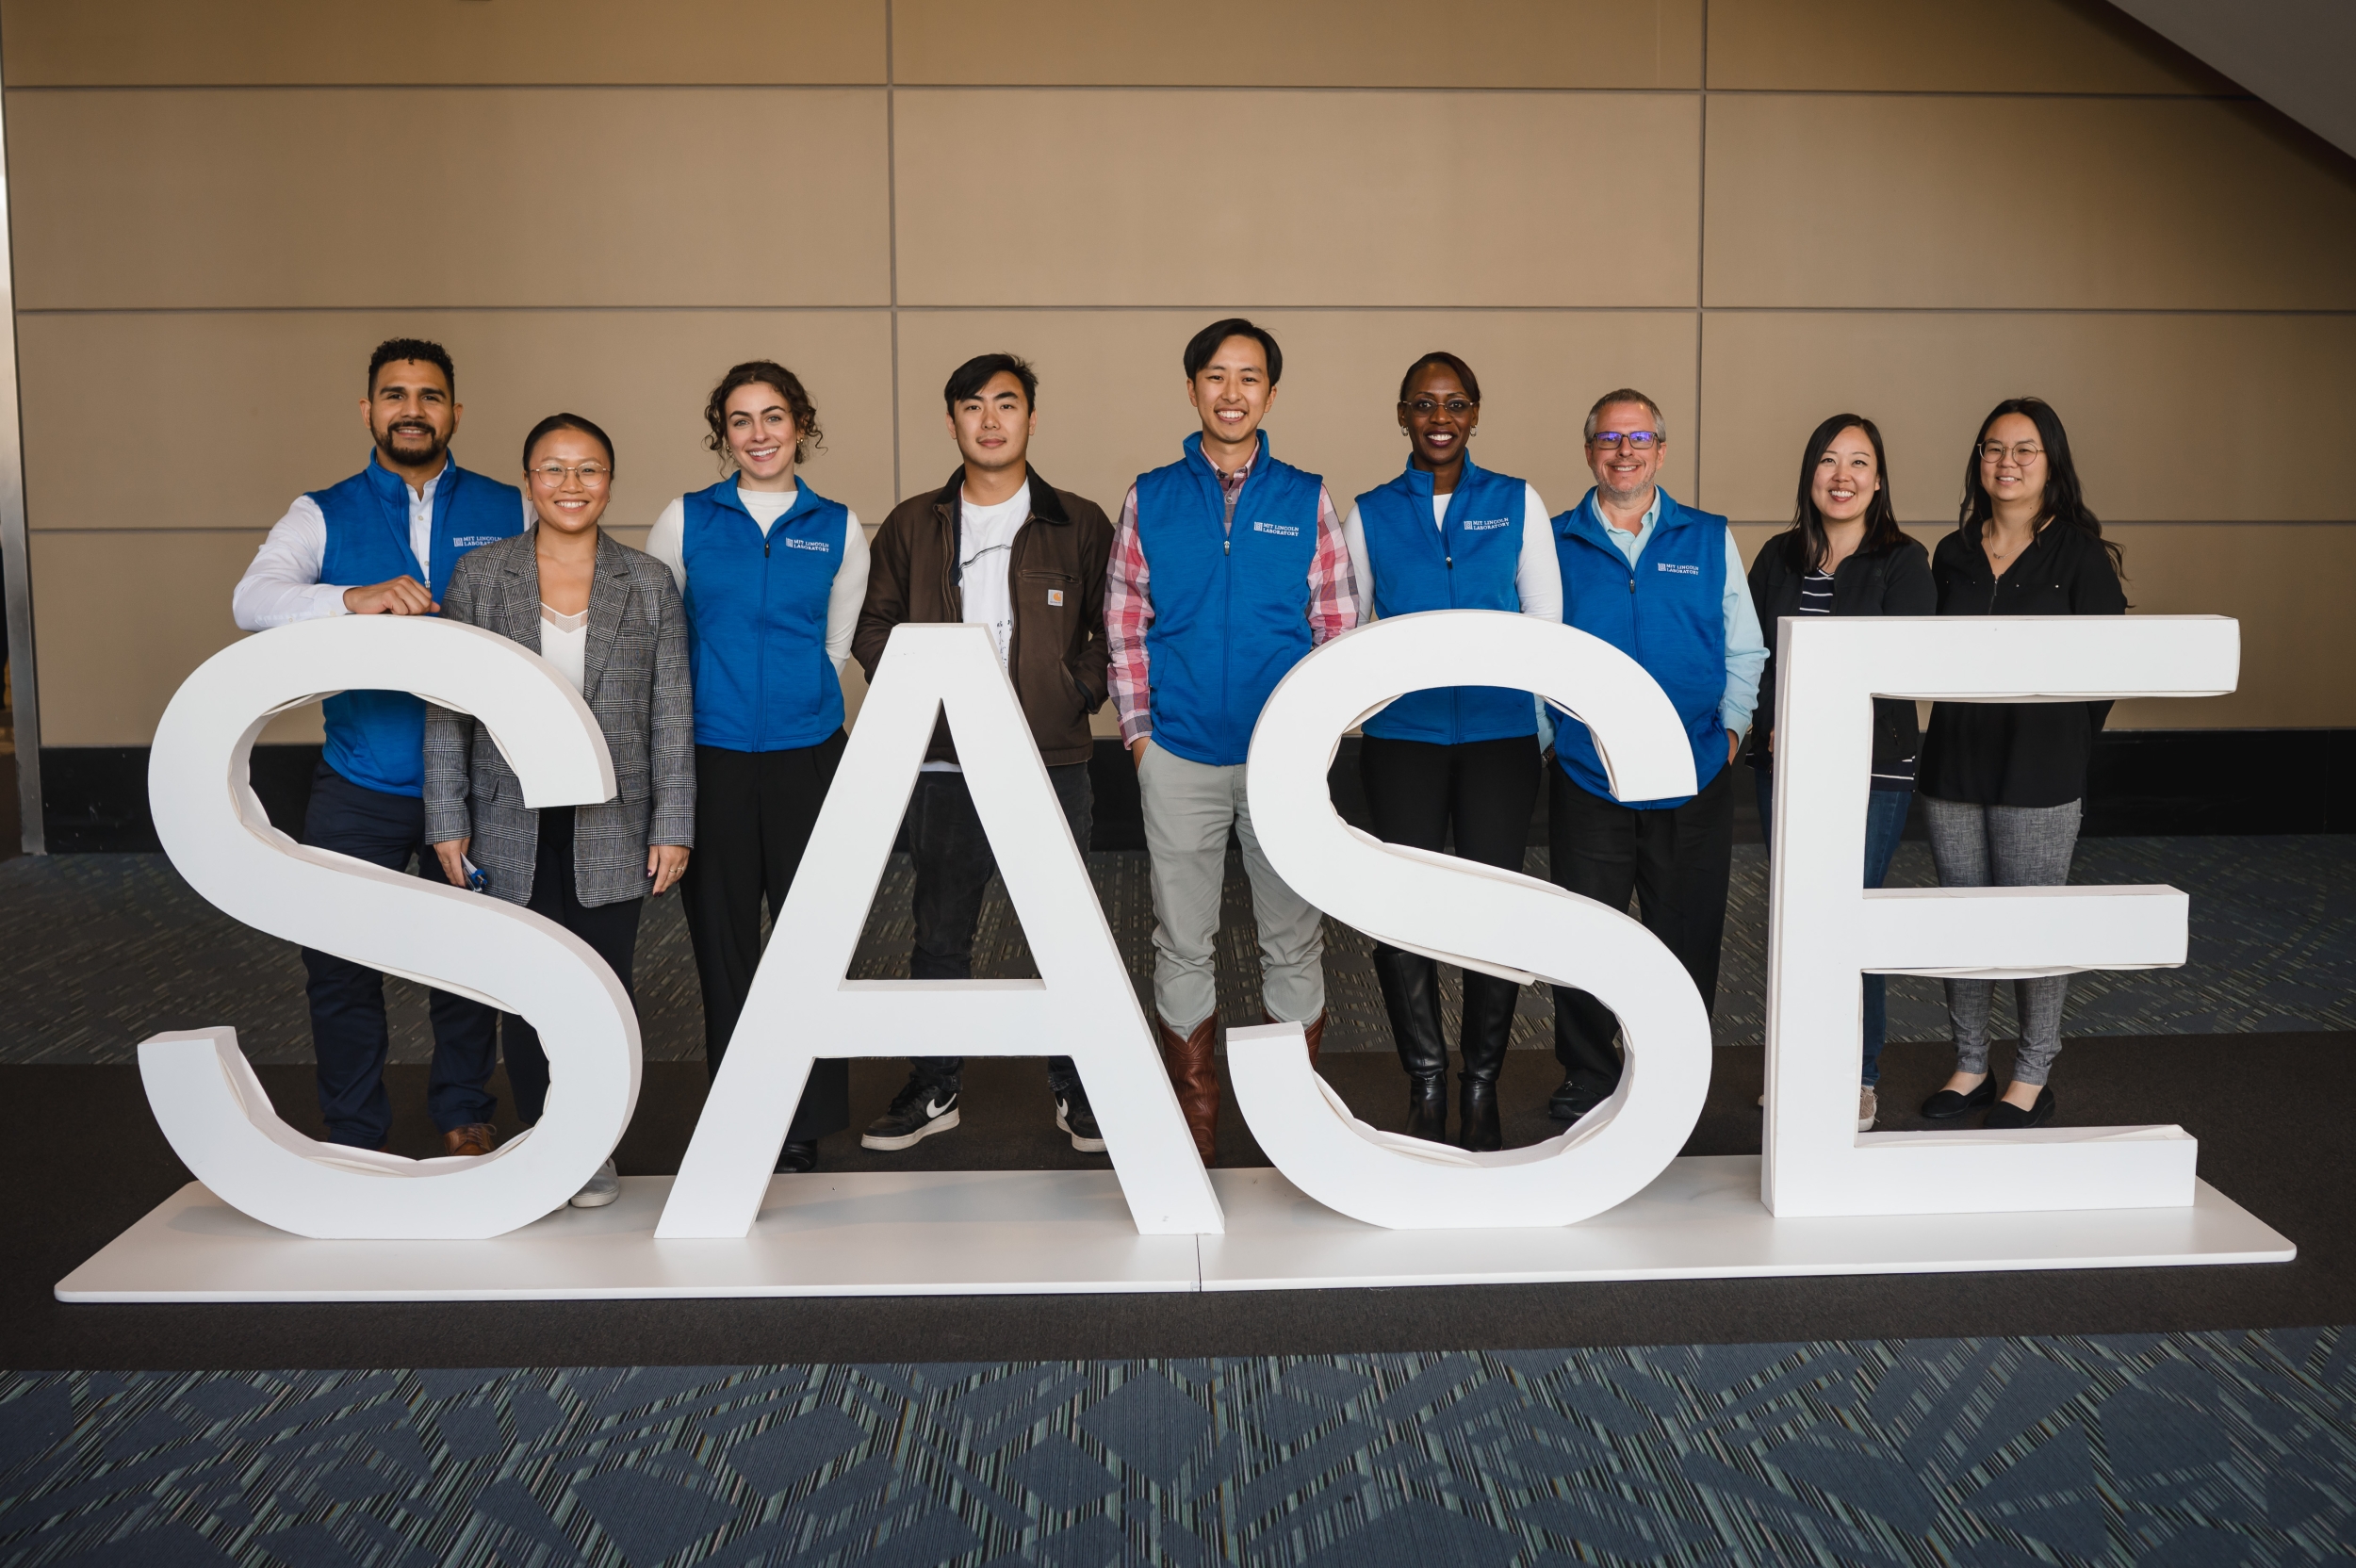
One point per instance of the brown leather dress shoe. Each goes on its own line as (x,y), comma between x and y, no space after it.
(1193,1066)
(476,1138)
(1313,1029)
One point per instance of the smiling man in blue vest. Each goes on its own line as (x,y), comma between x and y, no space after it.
(1228,567)
(1663,583)
(383,543)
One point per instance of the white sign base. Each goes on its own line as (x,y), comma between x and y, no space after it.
(1069,1232)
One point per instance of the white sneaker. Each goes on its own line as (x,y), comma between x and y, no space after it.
(605,1186)
(1869,1106)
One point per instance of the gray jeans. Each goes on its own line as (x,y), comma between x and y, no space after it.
(1188,806)
(2004,846)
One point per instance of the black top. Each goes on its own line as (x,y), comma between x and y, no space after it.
(2019,752)
(1895,582)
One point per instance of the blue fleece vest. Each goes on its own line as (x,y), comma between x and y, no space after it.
(1468,563)
(1231,610)
(757,620)
(1667,613)
(377,739)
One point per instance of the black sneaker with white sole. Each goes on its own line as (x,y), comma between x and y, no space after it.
(1073,1115)
(921,1109)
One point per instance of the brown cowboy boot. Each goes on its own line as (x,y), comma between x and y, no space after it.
(1193,1069)
(1314,1030)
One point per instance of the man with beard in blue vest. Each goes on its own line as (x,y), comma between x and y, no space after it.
(383,543)
(1228,567)
(1664,584)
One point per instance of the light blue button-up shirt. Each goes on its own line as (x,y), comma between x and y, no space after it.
(1746,647)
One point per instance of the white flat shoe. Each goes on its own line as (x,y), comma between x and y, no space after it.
(1869,1106)
(605,1186)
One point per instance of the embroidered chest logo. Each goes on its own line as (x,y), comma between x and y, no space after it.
(818,545)
(1286,531)
(1483,524)
(1680,567)
(468,541)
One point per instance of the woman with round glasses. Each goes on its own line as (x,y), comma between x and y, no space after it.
(2003,784)
(609,619)
(1448,534)
(1845,555)
(773,574)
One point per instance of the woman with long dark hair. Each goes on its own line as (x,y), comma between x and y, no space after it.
(1448,534)
(771,631)
(608,618)
(2004,784)
(1845,555)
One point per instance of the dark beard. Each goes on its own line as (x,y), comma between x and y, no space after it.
(432,454)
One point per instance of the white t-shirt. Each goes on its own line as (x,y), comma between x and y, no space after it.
(564,643)
(985,550)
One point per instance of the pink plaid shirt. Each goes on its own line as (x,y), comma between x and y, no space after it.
(1129,601)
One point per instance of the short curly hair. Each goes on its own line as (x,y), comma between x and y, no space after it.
(808,437)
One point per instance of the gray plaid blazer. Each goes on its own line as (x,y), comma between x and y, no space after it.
(639,688)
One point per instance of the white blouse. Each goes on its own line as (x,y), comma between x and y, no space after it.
(564,643)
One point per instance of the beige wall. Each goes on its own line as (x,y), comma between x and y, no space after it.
(221,205)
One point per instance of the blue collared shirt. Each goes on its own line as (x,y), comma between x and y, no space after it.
(1747,647)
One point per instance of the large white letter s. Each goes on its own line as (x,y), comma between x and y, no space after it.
(1499,921)
(205,1096)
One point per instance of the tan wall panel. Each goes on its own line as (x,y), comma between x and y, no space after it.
(1938,46)
(2287,583)
(281,396)
(106,42)
(1524,43)
(1113,403)
(2127,204)
(228,198)
(1333,198)
(2139,394)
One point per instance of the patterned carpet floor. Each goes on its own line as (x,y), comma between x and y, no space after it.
(112,948)
(2162,1451)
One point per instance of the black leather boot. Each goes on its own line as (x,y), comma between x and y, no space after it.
(1411,994)
(1488,1029)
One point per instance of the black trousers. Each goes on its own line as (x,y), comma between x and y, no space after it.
(1485,789)
(953,865)
(754,812)
(348,1035)
(612,929)
(1675,862)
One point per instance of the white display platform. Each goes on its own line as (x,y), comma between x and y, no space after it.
(972,1232)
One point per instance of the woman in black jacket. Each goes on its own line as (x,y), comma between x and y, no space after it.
(2003,783)
(1845,555)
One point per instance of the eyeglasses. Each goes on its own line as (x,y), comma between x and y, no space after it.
(590,474)
(2024,454)
(1638,440)
(1428,407)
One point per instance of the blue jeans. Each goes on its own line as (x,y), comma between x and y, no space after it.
(1885,820)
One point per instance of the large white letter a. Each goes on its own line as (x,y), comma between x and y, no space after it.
(801,1006)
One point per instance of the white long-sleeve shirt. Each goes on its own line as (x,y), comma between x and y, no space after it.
(283,585)
(667,543)
(1537,574)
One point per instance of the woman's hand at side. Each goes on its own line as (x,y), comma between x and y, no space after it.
(666,864)
(452,856)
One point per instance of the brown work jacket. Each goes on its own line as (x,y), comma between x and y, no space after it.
(1058,658)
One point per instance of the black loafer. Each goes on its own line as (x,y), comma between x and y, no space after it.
(795,1158)
(2006,1114)
(1574,1100)
(1947,1104)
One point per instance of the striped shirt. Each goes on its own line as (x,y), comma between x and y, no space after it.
(1816,599)
(1129,602)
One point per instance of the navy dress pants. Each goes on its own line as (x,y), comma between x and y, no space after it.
(347,1029)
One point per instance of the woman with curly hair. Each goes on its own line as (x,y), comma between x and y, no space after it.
(773,574)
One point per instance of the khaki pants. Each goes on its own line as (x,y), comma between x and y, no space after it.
(1189,808)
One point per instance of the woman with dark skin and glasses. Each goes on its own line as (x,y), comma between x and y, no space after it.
(1448,534)
(609,619)
(1845,555)
(2003,783)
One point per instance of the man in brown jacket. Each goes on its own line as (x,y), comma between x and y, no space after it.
(995,547)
